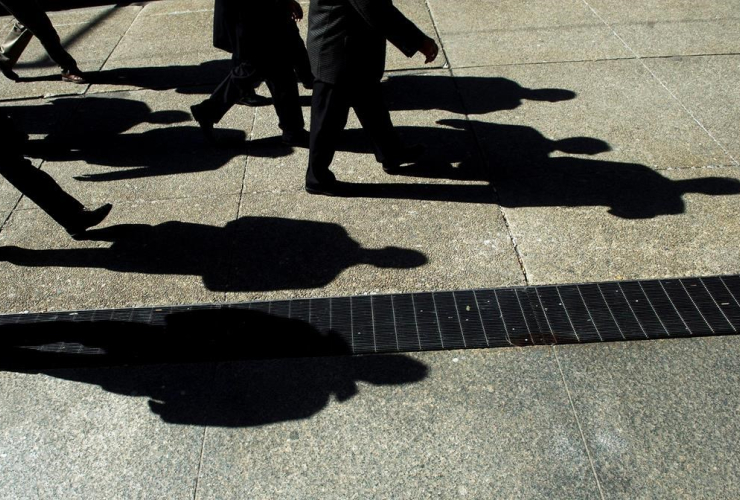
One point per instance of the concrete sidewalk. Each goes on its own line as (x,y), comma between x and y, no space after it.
(568,141)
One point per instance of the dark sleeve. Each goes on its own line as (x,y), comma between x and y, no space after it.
(385,18)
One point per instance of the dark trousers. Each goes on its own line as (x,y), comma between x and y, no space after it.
(33,17)
(41,188)
(280,80)
(330,106)
(299,55)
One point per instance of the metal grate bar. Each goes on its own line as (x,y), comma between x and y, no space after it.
(518,316)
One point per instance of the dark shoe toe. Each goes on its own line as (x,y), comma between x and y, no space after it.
(87,219)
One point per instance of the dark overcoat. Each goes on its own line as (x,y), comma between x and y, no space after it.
(347,38)
(252,30)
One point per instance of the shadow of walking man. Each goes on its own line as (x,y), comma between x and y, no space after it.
(222,389)
(248,254)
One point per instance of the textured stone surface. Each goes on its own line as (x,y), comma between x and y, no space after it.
(615,102)
(63,439)
(701,84)
(146,253)
(304,245)
(668,28)
(345,433)
(478,33)
(659,417)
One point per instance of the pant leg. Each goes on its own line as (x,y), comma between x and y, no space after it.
(369,104)
(329,112)
(284,89)
(33,17)
(14,45)
(41,188)
(236,85)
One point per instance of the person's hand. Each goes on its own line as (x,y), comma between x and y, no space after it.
(430,49)
(295,10)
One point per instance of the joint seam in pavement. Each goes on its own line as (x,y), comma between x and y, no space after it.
(200,463)
(578,422)
(133,21)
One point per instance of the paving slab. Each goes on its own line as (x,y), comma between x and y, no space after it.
(64,439)
(668,28)
(624,222)
(701,84)
(620,109)
(478,33)
(146,253)
(659,416)
(153,150)
(358,246)
(90,35)
(178,51)
(372,427)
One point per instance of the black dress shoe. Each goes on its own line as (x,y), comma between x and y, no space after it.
(204,122)
(408,154)
(254,100)
(327,186)
(298,137)
(87,219)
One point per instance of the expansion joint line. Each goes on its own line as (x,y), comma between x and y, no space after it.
(578,422)
(481,151)
(662,83)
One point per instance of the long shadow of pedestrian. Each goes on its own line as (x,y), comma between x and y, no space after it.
(481,94)
(97,130)
(233,394)
(519,163)
(269,253)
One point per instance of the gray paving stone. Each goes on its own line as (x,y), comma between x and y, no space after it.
(669,28)
(659,224)
(63,439)
(153,150)
(700,83)
(617,102)
(178,51)
(370,427)
(152,253)
(659,416)
(483,33)
(90,35)
(304,245)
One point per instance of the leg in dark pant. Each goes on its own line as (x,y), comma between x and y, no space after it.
(329,112)
(237,84)
(283,86)
(33,17)
(370,107)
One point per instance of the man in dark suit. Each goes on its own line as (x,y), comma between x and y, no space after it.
(31,19)
(258,35)
(346,45)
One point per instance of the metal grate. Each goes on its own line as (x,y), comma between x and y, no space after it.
(501,317)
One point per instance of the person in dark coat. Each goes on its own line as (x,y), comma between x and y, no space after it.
(32,20)
(258,35)
(41,188)
(346,46)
